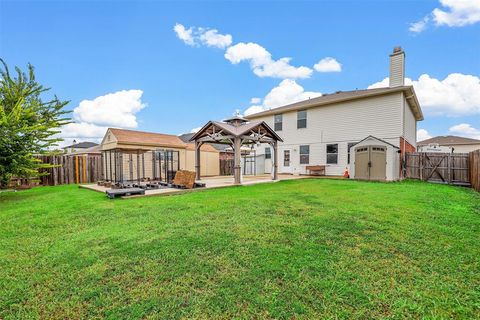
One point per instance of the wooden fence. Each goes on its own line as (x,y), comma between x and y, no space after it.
(449,168)
(226,167)
(71,169)
(474,158)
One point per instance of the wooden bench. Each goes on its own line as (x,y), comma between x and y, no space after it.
(124,192)
(318,170)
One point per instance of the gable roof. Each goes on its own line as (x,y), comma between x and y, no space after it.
(217,146)
(448,140)
(378,139)
(146,138)
(342,96)
(82,145)
(236,131)
(142,138)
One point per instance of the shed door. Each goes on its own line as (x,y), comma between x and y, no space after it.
(371,162)
(361,163)
(378,163)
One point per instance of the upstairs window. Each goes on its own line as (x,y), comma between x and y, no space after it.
(278,122)
(268,153)
(304,154)
(332,153)
(301,119)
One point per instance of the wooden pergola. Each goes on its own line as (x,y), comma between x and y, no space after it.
(236,132)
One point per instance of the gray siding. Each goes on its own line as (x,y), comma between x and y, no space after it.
(339,123)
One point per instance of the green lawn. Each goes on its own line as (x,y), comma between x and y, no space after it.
(294,249)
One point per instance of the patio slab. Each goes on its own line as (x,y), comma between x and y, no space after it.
(210,183)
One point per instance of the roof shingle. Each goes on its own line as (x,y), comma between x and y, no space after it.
(448,140)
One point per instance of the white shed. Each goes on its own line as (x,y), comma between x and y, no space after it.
(375,159)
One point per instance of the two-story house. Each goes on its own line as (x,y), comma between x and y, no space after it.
(377,126)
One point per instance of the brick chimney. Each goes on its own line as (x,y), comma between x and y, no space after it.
(397,67)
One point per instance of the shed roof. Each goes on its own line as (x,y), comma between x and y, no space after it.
(141,138)
(448,140)
(342,96)
(375,138)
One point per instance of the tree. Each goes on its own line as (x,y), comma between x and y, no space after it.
(27,124)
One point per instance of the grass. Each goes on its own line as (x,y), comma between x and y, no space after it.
(294,249)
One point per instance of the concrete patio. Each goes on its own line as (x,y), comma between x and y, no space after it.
(210,183)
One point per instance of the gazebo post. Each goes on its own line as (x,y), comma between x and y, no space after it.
(198,144)
(237,145)
(275,160)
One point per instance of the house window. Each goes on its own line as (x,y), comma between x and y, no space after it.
(350,145)
(268,153)
(286,158)
(301,119)
(278,122)
(304,154)
(332,153)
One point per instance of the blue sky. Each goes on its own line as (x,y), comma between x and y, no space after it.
(125,59)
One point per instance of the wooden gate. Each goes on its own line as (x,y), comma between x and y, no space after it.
(448,168)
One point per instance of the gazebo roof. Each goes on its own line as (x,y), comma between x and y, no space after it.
(235,127)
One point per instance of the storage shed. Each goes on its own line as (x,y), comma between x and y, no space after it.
(130,156)
(375,159)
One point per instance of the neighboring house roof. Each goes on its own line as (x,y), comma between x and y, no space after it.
(82,145)
(342,96)
(448,141)
(218,146)
(93,150)
(142,138)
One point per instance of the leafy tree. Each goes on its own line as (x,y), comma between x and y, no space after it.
(27,123)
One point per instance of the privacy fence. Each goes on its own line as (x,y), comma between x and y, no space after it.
(449,168)
(71,169)
(474,158)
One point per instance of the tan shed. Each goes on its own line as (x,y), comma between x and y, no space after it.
(375,159)
(130,156)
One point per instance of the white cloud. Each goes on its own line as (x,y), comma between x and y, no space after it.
(456,95)
(212,38)
(255,53)
(186,35)
(93,117)
(287,92)
(465,130)
(194,36)
(114,109)
(253,109)
(83,130)
(455,13)
(260,60)
(423,134)
(328,64)
(420,25)
(262,63)
(255,100)
(195,130)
